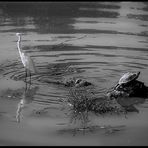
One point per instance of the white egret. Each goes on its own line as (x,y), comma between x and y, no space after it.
(26,59)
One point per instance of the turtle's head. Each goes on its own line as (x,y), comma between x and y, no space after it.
(138,73)
(78,81)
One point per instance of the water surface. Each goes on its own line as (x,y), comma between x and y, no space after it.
(101,40)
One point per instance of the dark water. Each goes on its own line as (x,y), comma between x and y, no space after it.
(101,40)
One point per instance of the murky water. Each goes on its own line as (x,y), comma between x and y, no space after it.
(99,40)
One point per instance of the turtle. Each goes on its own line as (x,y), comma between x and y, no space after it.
(127,78)
(81,83)
(69,83)
(76,82)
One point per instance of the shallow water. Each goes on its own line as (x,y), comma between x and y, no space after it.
(99,40)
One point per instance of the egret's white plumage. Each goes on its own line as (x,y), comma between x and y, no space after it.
(26,60)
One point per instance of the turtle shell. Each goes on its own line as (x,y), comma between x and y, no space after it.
(128,77)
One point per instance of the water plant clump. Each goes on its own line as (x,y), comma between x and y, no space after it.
(83,101)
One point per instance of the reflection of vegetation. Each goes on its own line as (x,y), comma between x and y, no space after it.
(53,17)
(55,8)
(140,17)
(146,6)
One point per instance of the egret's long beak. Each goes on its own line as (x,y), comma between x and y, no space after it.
(18,34)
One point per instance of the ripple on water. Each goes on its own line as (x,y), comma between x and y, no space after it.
(47,93)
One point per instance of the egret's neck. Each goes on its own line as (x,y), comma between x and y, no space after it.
(19,44)
(19,38)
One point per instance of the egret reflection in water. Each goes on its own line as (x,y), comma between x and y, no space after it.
(27,98)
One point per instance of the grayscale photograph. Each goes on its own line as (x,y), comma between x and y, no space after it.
(74,73)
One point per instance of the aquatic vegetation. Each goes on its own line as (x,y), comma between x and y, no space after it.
(83,100)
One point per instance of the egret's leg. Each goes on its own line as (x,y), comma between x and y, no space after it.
(30,79)
(25,75)
(26,79)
